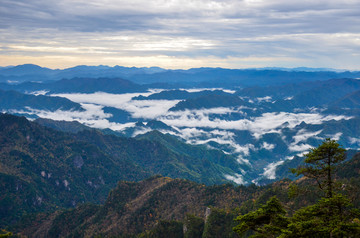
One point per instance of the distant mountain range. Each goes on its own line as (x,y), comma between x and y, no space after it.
(260,126)
(87,128)
(13,100)
(199,77)
(31,72)
(79,85)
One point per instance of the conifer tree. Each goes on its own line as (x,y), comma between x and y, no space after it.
(333,215)
(320,164)
(268,221)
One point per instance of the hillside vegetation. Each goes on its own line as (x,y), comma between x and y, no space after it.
(42,169)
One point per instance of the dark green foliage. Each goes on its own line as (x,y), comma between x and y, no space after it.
(267,221)
(320,164)
(330,217)
(194,226)
(207,160)
(166,229)
(42,168)
(65,126)
(132,208)
(219,224)
(351,169)
(62,227)
(18,198)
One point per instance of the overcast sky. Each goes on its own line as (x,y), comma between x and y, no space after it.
(181,33)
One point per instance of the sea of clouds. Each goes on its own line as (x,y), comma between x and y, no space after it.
(200,126)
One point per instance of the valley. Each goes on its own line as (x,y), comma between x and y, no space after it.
(107,148)
(262,125)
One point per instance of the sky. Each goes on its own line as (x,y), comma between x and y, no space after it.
(182,34)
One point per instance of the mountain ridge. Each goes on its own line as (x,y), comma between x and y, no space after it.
(55,168)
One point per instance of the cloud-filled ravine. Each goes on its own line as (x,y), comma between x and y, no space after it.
(244,131)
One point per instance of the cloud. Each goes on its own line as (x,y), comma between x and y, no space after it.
(93,116)
(270,169)
(353,140)
(40,92)
(180,33)
(149,109)
(242,160)
(141,131)
(191,119)
(194,126)
(264,99)
(266,123)
(302,136)
(190,133)
(237,178)
(336,136)
(267,146)
(299,148)
(194,90)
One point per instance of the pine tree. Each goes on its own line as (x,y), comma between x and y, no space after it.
(332,216)
(315,221)
(267,221)
(321,163)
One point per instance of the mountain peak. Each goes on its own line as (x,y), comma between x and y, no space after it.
(25,69)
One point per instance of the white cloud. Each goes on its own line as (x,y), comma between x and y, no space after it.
(195,126)
(190,133)
(149,109)
(267,146)
(242,160)
(93,116)
(302,136)
(198,136)
(289,157)
(243,149)
(141,131)
(195,90)
(353,140)
(270,169)
(237,178)
(264,99)
(266,123)
(41,92)
(300,147)
(336,136)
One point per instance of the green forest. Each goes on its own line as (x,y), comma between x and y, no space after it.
(127,200)
(332,215)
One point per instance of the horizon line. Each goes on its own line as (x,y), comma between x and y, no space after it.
(299,68)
